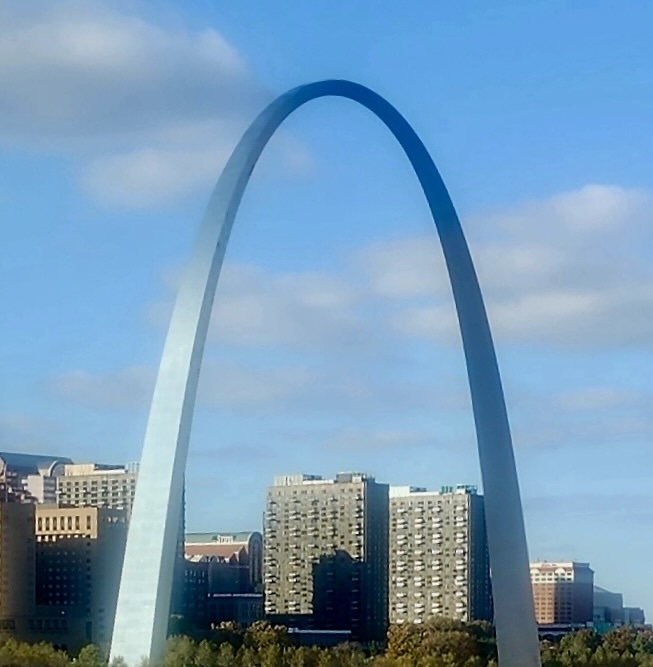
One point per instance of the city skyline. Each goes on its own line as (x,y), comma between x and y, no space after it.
(577,372)
(324,542)
(21,477)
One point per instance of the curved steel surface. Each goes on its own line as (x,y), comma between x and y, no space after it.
(144,599)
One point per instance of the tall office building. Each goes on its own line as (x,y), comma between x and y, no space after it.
(326,553)
(97,485)
(79,553)
(439,563)
(114,486)
(563,593)
(17,552)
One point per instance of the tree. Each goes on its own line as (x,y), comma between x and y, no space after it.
(577,648)
(262,633)
(180,652)
(89,656)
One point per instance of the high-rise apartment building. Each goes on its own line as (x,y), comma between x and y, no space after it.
(563,593)
(326,552)
(79,553)
(439,563)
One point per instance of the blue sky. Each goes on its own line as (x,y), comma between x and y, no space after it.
(333,345)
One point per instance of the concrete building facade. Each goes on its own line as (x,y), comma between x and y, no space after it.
(439,563)
(563,592)
(326,551)
(114,486)
(79,554)
(236,558)
(17,562)
(97,485)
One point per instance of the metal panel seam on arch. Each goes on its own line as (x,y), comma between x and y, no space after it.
(144,599)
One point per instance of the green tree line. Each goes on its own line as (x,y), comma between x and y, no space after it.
(438,643)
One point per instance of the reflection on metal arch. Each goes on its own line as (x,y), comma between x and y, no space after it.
(145,589)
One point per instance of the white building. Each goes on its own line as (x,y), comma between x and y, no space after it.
(439,563)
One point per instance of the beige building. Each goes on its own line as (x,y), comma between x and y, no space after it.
(97,485)
(79,553)
(17,553)
(114,486)
(563,593)
(325,553)
(439,564)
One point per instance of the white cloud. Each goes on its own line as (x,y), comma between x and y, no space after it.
(404,268)
(567,271)
(28,433)
(92,71)
(152,176)
(149,112)
(348,343)
(222,384)
(598,398)
(130,388)
(255,307)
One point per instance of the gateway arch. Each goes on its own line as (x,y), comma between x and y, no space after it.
(145,589)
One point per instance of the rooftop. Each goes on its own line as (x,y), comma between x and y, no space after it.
(31,464)
(219,538)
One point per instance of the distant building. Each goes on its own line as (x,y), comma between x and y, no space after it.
(609,611)
(196,591)
(608,608)
(97,485)
(236,560)
(17,558)
(326,553)
(114,486)
(223,578)
(634,616)
(563,593)
(216,591)
(439,564)
(241,608)
(79,553)
(30,477)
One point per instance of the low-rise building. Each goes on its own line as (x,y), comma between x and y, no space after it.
(236,560)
